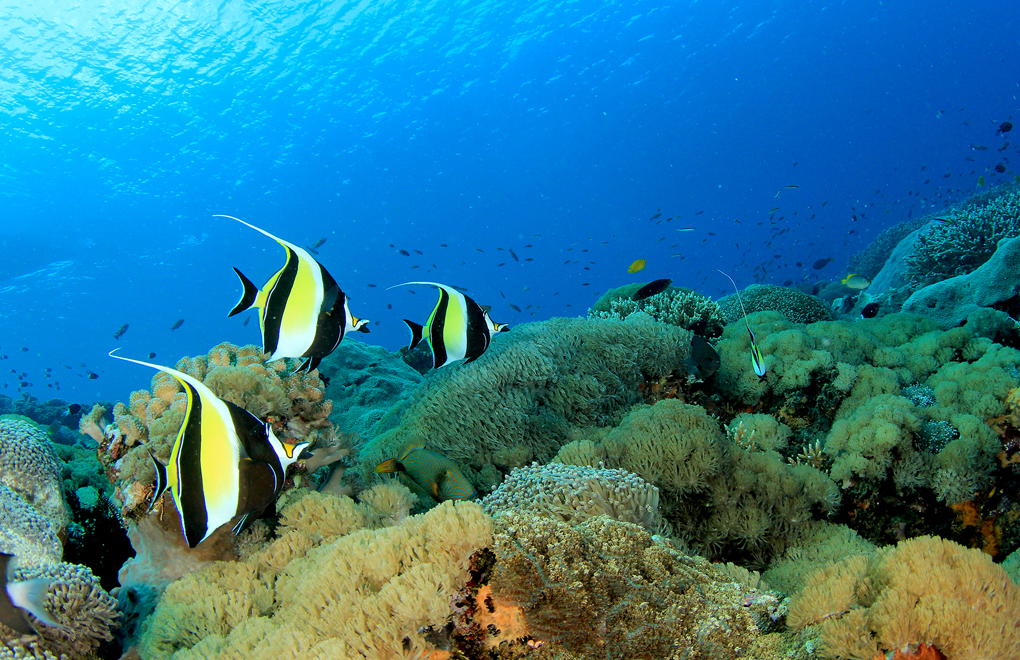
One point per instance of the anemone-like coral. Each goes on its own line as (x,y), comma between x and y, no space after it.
(607,587)
(85,612)
(796,306)
(531,388)
(862,446)
(25,532)
(680,307)
(924,590)
(575,493)
(28,466)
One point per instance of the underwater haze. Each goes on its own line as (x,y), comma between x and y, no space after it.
(426,140)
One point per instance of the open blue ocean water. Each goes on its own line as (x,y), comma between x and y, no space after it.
(455,132)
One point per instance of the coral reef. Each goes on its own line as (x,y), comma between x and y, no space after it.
(965,237)
(524,396)
(575,493)
(795,306)
(27,533)
(950,301)
(607,587)
(324,588)
(677,306)
(870,260)
(924,590)
(28,466)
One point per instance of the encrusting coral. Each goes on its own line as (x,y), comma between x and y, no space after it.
(324,588)
(28,466)
(924,590)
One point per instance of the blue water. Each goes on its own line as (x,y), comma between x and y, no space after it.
(560,125)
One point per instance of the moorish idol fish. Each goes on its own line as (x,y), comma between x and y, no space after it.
(18,599)
(303,313)
(436,475)
(757,359)
(458,328)
(225,462)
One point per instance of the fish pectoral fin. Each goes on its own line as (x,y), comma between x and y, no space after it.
(249,295)
(161,481)
(416,333)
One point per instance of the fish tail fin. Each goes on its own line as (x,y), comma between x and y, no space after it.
(416,333)
(161,480)
(249,295)
(30,595)
(388,466)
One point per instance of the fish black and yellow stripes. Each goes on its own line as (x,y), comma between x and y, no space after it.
(437,475)
(303,312)
(225,463)
(757,359)
(458,328)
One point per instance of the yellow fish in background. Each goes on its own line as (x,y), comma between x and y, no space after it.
(856,281)
(436,475)
(636,266)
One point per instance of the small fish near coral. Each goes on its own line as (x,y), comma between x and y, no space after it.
(652,288)
(638,265)
(225,463)
(303,311)
(436,475)
(856,281)
(458,328)
(18,599)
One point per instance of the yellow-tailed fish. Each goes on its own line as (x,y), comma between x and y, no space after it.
(303,313)
(458,328)
(225,464)
(638,265)
(757,359)
(856,281)
(436,475)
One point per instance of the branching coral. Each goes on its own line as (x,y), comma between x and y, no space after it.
(681,307)
(574,493)
(924,590)
(965,237)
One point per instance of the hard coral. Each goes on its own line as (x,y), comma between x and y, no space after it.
(28,466)
(574,493)
(680,307)
(796,306)
(25,532)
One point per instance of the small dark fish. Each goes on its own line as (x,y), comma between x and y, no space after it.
(870,310)
(404,252)
(1000,168)
(246,319)
(92,375)
(502,263)
(979,147)
(822,263)
(514,307)
(319,243)
(152,354)
(657,215)
(1005,127)
(74,409)
(371,286)
(178,323)
(420,252)
(512,254)
(116,335)
(651,289)
(704,360)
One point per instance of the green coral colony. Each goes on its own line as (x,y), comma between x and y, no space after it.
(625,485)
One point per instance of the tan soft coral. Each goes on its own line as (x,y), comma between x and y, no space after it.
(924,590)
(358,594)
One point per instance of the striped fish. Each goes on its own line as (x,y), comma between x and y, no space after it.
(757,359)
(225,464)
(437,475)
(303,313)
(458,328)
